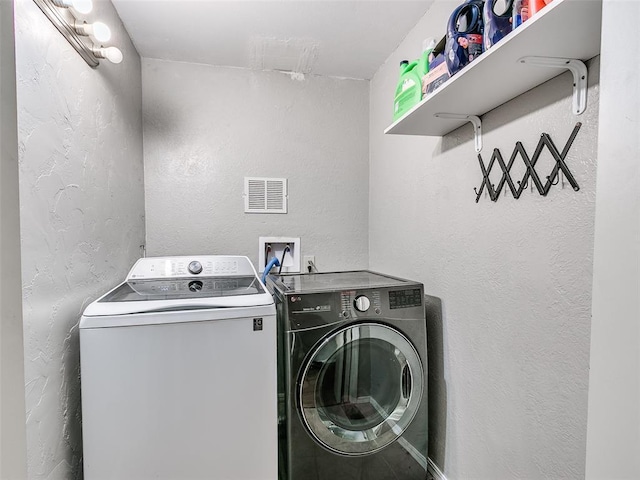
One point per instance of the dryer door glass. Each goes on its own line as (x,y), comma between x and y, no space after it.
(360,388)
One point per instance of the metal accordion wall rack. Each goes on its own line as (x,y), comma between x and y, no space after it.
(530,163)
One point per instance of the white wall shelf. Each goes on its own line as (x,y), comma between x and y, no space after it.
(563,29)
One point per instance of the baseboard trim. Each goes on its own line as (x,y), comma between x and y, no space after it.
(435,472)
(413,451)
(426,463)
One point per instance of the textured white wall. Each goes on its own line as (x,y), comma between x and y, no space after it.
(613,440)
(82,214)
(12,428)
(206,128)
(514,276)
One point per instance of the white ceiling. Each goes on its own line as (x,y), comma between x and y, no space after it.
(336,38)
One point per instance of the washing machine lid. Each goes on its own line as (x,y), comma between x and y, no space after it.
(161,284)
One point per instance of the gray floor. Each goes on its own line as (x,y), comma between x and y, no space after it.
(392,463)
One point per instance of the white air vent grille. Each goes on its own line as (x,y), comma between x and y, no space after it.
(265,195)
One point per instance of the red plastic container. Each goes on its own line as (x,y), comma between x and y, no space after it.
(535,6)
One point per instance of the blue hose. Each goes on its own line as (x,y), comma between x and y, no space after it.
(267,269)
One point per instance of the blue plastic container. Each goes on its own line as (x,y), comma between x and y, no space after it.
(464,35)
(497,21)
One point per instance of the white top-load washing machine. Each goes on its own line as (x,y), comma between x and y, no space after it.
(178,370)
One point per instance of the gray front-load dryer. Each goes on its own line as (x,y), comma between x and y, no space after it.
(352,376)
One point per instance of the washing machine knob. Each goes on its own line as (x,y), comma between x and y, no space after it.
(362,303)
(195,267)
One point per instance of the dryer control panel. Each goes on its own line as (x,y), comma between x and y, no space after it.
(355,302)
(406,298)
(313,310)
(371,303)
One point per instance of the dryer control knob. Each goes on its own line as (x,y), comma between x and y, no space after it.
(362,303)
(195,267)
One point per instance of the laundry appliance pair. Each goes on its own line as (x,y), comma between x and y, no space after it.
(352,360)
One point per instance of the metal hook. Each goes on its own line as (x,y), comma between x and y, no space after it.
(553,183)
(526,184)
(495,193)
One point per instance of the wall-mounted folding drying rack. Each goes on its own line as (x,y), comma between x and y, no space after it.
(512,67)
(530,164)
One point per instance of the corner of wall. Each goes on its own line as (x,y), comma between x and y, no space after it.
(13,462)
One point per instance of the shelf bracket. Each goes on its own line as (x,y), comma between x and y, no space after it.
(475,120)
(577,68)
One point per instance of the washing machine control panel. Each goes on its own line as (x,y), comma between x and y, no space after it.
(195,267)
(181,267)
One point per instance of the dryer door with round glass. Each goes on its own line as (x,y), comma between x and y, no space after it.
(360,388)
